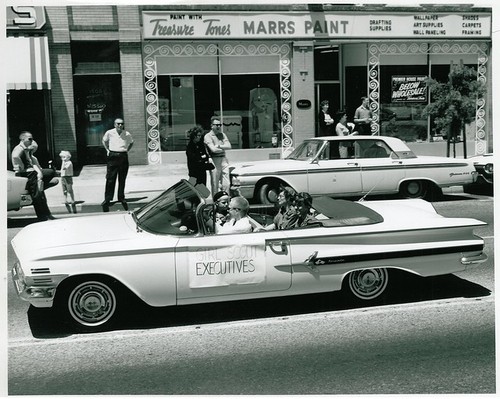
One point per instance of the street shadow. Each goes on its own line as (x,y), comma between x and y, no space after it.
(13,223)
(405,288)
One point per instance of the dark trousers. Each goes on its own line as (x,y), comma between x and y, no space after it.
(39,200)
(200,176)
(117,166)
(364,129)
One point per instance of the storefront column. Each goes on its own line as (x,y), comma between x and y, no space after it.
(303,89)
(133,104)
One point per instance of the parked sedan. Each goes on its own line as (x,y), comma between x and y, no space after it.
(484,168)
(351,166)
(17,195)
(165,254)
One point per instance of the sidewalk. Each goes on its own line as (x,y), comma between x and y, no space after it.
(144,182)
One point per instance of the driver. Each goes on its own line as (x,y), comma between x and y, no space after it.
(238,221)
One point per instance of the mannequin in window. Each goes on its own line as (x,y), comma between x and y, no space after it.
(264,115)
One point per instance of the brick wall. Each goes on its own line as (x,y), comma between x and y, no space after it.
(133,99)
(63,107)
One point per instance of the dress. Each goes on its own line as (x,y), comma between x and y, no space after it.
(197,161)
(304,222)
(217,146)
(285,218)
(118,145)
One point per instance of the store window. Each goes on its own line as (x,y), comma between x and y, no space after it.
(404,93)
(244,91)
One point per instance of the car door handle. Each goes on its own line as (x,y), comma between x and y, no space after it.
(352,163)
(278,247)
(397,162)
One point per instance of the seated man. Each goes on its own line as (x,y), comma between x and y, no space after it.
(238,221)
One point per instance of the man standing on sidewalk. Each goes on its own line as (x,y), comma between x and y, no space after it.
(117,143)
(217,143)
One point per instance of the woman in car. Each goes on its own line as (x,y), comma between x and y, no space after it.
(287,214)
(303,204)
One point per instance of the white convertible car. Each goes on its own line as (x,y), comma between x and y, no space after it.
(348,166)
(165,254)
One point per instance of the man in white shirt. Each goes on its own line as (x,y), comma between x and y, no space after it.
(238,221)
(26,165)
(217,143)
(117,143)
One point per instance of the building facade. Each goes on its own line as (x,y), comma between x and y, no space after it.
(262,69)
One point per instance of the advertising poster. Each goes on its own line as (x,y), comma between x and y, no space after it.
(409,88)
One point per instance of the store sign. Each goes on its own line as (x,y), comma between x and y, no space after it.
(24,17)
(409,89)
(303,104)
(251,25)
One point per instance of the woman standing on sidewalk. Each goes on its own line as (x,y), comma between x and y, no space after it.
(198,159)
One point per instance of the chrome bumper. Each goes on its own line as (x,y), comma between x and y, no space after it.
(473,260)
(38,296)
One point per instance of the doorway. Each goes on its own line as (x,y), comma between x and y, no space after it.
(98,104)
(331,92)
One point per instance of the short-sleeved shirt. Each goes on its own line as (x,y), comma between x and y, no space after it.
(235,226)
(66,168)
(211,140)
(362,113)
(23,159)
(117,142)
(342,130)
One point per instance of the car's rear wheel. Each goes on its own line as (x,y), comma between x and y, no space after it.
(414,189)
(268,193)
(367,284)
(89,305)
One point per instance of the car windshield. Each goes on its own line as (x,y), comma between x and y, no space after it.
(173,212)
(307,150)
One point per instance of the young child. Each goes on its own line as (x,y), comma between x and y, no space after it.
(67,181)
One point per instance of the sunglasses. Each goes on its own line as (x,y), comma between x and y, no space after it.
(216,124)
(122,124)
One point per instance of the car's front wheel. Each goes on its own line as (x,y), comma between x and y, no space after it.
(367,284)
(414,189)
(89,305)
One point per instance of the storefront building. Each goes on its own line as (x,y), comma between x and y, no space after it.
(28,80)
(263,69)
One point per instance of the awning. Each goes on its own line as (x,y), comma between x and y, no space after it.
(27,63)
